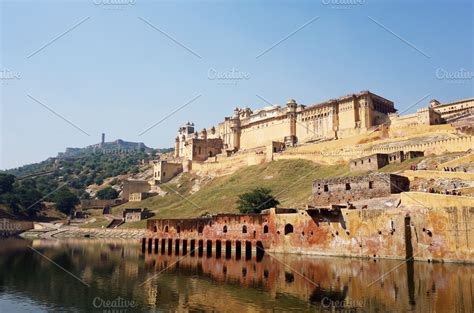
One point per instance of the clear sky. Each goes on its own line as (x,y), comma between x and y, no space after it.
(74,67)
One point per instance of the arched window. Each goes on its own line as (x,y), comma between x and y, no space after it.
(288,229)
(155,229)
(265,229)
(178,229)
(200,229)
(225,229)
(244,229)
(166,229)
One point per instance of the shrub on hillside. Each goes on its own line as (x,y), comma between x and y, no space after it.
(107,193)
(257,200)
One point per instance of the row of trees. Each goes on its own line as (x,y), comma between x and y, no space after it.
(25,199)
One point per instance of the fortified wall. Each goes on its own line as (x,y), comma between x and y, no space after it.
(422,233)
(281,131)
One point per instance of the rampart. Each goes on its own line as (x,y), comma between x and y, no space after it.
(227,165)
(438,174)
(434,200)
(421,233)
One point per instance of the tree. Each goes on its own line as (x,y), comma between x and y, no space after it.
(257,200)
(30,200)
(6,183)
(107,193)
(65,201)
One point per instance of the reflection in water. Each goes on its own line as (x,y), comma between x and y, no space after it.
(120,275)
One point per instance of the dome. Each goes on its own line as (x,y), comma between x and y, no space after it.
(291,101)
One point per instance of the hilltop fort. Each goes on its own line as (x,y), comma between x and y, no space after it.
(294,131)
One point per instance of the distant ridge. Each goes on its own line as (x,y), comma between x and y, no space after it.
(114,147)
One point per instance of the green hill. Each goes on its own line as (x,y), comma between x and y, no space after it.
(289,180)
(75,170)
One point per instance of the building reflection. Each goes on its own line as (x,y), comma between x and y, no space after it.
(177,282)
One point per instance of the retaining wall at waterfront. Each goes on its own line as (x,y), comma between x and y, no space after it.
(438,234)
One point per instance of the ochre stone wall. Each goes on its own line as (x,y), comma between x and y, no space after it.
(434,200)
(426,234)
(132,186)
(228,165)
(163,171)
(421,233)
(263,134)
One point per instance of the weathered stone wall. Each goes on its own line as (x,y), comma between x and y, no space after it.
(163,171)
(228,165)
(421,233)
(369,163)
(434,200)
(264,133)
(424,234)
(396,157)
(206,148)
(348,189)
(133,186)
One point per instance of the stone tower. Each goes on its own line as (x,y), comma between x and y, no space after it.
(291,114)
(235,127)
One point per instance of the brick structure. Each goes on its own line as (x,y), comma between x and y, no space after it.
(346,189)
(369,163)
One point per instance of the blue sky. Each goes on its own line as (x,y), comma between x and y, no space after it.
(115,73)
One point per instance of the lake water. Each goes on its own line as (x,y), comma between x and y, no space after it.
(116,276)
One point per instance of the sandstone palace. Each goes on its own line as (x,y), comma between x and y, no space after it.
(295,123)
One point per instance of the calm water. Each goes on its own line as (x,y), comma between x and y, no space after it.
(115,276)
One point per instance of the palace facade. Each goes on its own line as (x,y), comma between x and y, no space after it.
(295,123)
(292,124)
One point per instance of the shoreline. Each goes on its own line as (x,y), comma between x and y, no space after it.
(77,232)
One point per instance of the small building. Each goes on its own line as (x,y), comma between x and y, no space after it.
(346,189)
(134,186)
(164,171)
(376,161)
(413,154)
(369,163)
(135,214)
(139,196)
(396,157)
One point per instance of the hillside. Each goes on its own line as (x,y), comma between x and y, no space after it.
(78,170)
(290,181)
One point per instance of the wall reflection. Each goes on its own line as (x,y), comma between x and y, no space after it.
(203,281)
